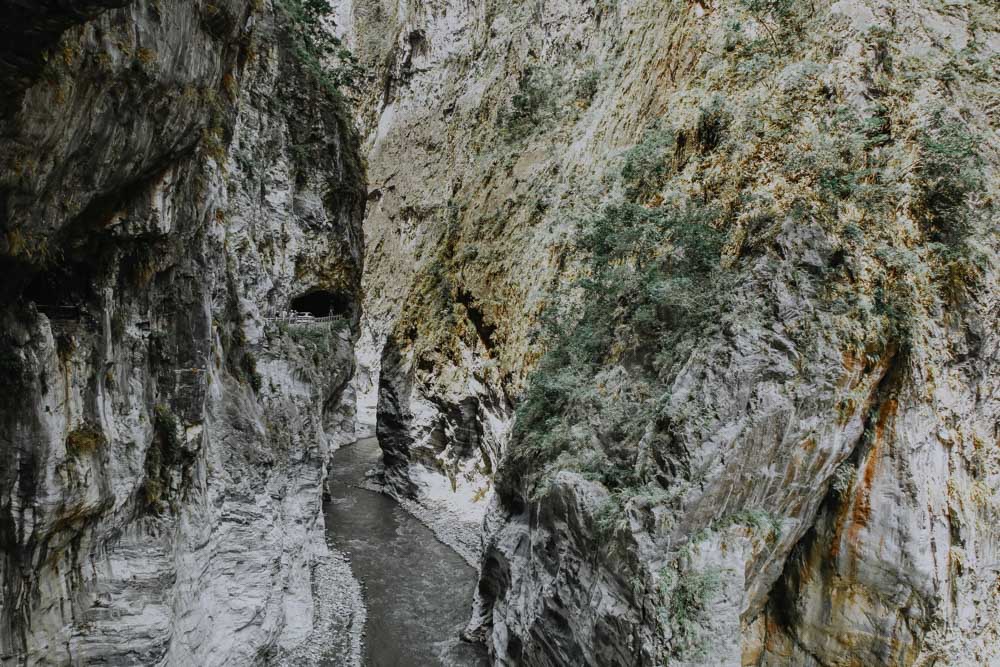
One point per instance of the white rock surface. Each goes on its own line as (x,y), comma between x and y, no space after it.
(164,438)
(469,241)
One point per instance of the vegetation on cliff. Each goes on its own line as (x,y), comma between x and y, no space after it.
(309,27)
(773,199)
(701,204)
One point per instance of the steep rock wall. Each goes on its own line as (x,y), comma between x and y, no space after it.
(471,201)
(172,179)
(805,474)
(794,479)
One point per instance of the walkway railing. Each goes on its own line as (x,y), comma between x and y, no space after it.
(302,318)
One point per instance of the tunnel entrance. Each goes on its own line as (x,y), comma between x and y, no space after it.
(321,303)
(58,293)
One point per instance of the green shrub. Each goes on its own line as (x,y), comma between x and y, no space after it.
(608,518)
(340,323)
(896,302)
(877,128)
(305,23)
(646,166)
(256,379)
(167,427)
(713,120)
(165,455)
(587,86)
(779,10)
(686,608)
(949,171)
(759,520)
(649,268)
(778,17)
(314,336)
(84,439)
(532,104)
(650,281)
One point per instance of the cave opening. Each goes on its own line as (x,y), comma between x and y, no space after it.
(322,303)
(59,293)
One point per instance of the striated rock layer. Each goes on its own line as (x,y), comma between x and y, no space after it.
(467,222)
(172,178)
(790,455)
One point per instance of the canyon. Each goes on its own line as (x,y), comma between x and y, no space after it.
(675,323)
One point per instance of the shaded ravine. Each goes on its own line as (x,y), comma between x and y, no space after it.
(417,590)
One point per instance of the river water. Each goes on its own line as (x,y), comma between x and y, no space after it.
(417,590)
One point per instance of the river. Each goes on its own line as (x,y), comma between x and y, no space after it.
(417,590)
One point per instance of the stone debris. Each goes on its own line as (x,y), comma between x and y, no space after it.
(337,633)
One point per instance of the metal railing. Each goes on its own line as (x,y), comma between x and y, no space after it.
(294,317)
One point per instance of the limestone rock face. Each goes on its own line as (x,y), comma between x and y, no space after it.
(810,469)
(468,217)
(172,180)
(679,317)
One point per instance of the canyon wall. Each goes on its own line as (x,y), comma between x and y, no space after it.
(471,203)
(174,179)
(755,243)
(681,319)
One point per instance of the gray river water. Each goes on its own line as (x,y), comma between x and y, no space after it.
(417,590)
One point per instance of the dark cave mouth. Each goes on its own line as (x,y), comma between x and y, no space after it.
(60,293)
(322,303)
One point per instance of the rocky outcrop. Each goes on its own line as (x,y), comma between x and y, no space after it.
(31,30)
(173,178)
(796,480)
(467,218)
(733,263)
(768,433)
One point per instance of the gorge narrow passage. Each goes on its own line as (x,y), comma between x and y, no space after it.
(417,590)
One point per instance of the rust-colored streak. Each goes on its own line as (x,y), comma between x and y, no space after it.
(860,507)
(838,528)
(853,365)
(861,511)
(885,414)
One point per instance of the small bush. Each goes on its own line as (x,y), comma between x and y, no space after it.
(649,268)
(646,167)
(146,57)
(686,608)
(532,104)
(608,518)
(314,337)
(896,302)
(85,439)
(949,171)
(650,281)
(757,519)
(167,427)
(587,86)
(779,17)
(779,10)
(247,369)
(711,129)
(322,53)
(165,455)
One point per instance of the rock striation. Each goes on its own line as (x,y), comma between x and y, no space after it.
(679,318)
(766,432)
(173,178)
